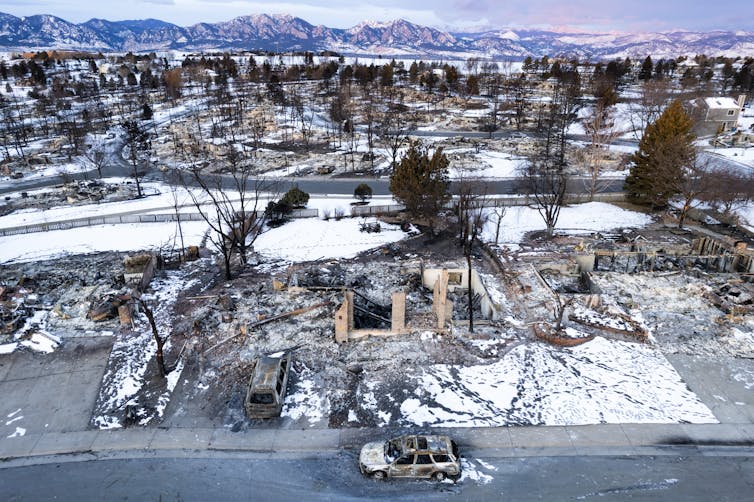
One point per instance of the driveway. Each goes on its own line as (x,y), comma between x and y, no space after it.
(51,392)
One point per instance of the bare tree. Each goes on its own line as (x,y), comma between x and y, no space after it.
(545,173)
(177,211)
(730,189)
(393,131)
(230,204)
(160,341)
(695,182)
(95,154)
(560,309)
(654,97)
(600,126)
(499,212)
(520,90)
(472,217)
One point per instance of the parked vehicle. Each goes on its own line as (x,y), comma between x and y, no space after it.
(267,386)
(411,456)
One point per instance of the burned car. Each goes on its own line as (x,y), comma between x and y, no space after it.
(414,456)
(266,390)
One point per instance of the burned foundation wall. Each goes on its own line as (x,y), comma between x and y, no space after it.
(458,278)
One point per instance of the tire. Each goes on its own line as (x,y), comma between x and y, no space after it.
(440,476)
(380,475)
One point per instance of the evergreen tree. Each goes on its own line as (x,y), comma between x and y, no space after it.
(146,112)
(420,182)
(665,149)
(646,69)
(296,198)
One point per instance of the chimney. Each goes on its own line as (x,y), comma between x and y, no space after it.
(741,101)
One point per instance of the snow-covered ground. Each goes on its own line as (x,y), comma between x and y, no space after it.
(314,239)
(299,240)
(601,381)
(126,237)
(575,219)
(747,213)
(491,164)
(742,154)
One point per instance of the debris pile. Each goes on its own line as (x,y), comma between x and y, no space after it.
(734,297)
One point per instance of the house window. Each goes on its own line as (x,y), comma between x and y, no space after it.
(731,112)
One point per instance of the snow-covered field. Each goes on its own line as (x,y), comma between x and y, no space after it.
(747,213)
(575,219)
(314,239)
(601,381)
(491,164)
(298,240)
(126,237)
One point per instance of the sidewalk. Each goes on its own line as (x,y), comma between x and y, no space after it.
(619,439)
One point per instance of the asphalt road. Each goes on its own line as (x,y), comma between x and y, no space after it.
(315,185)
(118,166)
(687,475)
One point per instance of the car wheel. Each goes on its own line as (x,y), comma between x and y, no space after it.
(379,475)
(440,476)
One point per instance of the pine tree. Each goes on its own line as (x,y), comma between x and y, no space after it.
(666,147)
(420,182)
(646,69)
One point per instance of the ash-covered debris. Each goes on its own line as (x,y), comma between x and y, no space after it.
(53,297)
(72,194)
(326,382)
(736,296)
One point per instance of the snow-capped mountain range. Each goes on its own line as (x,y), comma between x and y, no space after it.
(399,37)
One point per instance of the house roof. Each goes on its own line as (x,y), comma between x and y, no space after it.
(721,103)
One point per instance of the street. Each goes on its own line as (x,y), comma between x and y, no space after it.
(685,474)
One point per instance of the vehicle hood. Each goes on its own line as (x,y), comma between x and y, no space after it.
(373,455)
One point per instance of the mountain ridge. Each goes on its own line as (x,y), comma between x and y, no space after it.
(284,32)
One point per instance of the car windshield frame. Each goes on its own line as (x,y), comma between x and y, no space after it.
(393,450)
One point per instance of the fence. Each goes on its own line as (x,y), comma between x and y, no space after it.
(122,219)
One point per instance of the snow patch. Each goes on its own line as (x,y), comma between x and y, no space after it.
(601,381)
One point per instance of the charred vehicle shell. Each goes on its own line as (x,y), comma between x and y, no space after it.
(266,390)
(414,456)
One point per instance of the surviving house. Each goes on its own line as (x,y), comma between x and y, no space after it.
(716,115)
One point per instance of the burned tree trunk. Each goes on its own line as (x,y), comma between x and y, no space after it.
(160,356)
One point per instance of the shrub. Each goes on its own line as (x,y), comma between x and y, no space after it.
(278,212)
(295,197)
(363,192)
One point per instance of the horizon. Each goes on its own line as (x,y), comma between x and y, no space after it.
(583,16)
